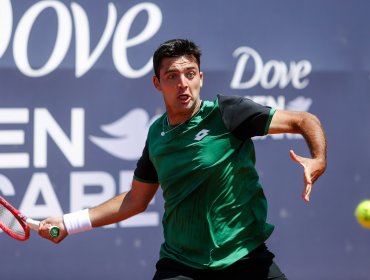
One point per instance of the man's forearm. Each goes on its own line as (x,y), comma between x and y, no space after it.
(114,210)
(312,131)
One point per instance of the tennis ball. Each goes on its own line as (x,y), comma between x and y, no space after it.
(362,213)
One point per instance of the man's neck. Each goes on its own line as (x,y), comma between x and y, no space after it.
(177,118)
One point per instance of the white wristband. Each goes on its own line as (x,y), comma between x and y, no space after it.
(77,221)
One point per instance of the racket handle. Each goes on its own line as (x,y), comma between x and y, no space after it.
(33,224)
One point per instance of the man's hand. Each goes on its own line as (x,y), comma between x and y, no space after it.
(309,126)
(313,169)
(45,226)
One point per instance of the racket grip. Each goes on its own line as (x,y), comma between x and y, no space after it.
(33,224)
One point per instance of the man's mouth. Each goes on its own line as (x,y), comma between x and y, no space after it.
(184,98)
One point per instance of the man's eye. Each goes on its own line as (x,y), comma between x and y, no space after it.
(191,75)
(171,76)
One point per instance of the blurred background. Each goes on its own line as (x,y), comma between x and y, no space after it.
(76,100)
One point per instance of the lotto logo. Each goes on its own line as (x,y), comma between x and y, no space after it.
(201,134)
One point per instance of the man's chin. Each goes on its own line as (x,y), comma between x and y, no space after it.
(185,105)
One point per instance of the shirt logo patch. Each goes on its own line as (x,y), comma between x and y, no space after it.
(201,134)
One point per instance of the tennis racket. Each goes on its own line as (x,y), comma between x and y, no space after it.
(16,224)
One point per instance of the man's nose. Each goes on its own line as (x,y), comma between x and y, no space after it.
(182,82)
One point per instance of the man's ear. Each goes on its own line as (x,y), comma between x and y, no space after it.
(201,78)
(157,83)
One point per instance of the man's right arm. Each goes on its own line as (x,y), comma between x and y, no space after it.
(124,205)
(121,207)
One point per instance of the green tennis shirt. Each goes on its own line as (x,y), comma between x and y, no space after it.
(215,208)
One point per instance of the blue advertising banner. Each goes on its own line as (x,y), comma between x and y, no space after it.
(77,99)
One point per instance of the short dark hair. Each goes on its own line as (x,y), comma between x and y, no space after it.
(175,48)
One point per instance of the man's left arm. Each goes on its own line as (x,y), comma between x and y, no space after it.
(310,128)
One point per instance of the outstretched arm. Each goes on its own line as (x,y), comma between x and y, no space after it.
(121,207)
(310,128)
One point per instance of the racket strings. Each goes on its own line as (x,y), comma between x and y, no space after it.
(8,220)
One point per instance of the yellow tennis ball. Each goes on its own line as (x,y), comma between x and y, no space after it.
(362,213)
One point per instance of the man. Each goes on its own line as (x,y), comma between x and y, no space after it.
(202,155)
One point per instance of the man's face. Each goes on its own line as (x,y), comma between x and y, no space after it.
(180,83)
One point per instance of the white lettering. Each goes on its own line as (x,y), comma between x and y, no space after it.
(40,185)
(6,23)
(6,187)
(82,181)
(87,189)
(14,160)
(303,69)
(121,42)
(14,115)
(13,137)
(22,33)
(271,68)
(269,75)
(85,60)
(73,149)
(244,53)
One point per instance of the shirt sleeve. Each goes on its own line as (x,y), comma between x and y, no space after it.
(244,117)
(145,171)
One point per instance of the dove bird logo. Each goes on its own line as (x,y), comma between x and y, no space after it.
(300,103)
(126,135)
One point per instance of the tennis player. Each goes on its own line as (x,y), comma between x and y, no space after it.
(201,153)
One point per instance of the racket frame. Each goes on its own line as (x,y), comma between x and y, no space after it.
(26,223)
(19,217)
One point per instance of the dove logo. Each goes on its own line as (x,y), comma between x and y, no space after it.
(271,74)
(126,136)
(73,20)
